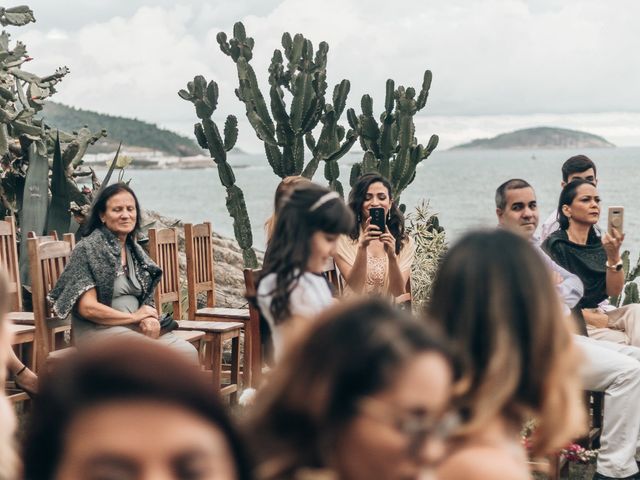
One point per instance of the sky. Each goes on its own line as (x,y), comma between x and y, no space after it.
(497,65)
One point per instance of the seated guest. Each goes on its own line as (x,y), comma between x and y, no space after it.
(108,284)
(611,368)
(292,286)
(362,396)
(284,189)
(8,457)
(517,352)
(371,261)
(131,409)
(596,260)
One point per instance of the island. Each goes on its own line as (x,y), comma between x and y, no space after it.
(538,137)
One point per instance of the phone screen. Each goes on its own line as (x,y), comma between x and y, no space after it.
(377,217)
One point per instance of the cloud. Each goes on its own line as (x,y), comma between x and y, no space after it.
(504,58)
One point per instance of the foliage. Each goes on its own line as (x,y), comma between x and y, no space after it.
(204,97)
(431,246)
(631,287)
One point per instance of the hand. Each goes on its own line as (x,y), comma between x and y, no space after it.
(611,244)
(144,312)
(370,232)
(595,318)
(389,242)
(150,327)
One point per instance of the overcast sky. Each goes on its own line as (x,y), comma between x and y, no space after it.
(496,63)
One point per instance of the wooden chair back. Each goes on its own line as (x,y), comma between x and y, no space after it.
(199,253)
(331,273)
(259,329)
(47,260)
(9,261)
(163,249)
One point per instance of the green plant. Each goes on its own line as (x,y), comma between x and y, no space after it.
(390,146)
(630,286)
(431,246)
(204,97)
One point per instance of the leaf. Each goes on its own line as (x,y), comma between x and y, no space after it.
(58,217)
(107,177)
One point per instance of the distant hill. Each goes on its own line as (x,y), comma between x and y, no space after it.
(539,137)
(132,133)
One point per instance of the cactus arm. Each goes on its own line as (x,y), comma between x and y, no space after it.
(230,132)
(58,216)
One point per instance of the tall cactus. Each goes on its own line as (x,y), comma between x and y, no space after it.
(304,77)
(204,97)
(390,146)
(631,294)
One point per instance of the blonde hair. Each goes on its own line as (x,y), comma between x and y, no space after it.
(495,299)
(286,186)
(8,456)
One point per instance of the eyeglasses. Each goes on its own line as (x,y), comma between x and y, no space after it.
(418,427)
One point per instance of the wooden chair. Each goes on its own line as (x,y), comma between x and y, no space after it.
(331,273)
(47,260)
(201,279)
(9,262)
(163,248)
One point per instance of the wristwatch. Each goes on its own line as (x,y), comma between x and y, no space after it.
(616,268)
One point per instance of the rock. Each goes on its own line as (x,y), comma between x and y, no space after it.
(227,259)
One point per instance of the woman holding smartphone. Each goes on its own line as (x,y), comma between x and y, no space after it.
(373,260)
(596,260)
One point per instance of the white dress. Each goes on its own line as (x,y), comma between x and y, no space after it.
(310,297)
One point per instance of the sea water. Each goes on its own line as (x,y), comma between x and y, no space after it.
(459,185)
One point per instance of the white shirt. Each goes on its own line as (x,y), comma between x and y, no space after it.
(309,297)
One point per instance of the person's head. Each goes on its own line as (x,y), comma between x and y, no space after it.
(372,190)
(305,236)
(284,188)
(580,203)
(517,207)
(131,410)
(8,456)
(364,393)
(116,208)
(495,299)
(579,167)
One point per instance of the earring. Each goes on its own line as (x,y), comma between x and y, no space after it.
(388,215)
(359,218)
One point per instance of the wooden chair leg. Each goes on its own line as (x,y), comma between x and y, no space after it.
(235,368)
(246,363)
(216,360)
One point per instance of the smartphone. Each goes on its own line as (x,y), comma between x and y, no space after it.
(616,220)
(377,217)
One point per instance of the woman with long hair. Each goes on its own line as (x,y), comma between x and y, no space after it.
(578,248)
(129,409)
(363,395)
(284,188)
(304,238)
(495,300)
(107,286)
(370,260)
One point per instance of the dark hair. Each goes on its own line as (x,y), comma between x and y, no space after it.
(567,195)
(100,206)
(494,298)
(577,164)
(357,198)
(350,352)
(126,369)
(290,247)
(501,191)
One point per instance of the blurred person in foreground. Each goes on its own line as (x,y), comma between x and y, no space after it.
(8,456)
(131,410)
(609,367)
(107,286)
(362,396)
(495,299)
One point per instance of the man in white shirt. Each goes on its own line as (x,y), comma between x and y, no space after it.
(610,368)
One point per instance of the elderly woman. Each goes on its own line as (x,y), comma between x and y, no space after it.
(108,284)
(374,261)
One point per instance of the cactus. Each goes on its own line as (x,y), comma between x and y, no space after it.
(631,287)
(58,216)
(204,97)
(390,146)
(284,133)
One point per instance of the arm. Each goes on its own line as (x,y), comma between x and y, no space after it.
(482,463)
(615,279)
(569,286)
(356,274)
(90,308)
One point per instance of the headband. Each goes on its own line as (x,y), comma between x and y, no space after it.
(324,199)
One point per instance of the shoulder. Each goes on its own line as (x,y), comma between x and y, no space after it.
(482,463)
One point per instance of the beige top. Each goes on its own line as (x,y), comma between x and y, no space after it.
(377,280)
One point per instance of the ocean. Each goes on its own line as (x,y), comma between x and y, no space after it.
(458,184)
